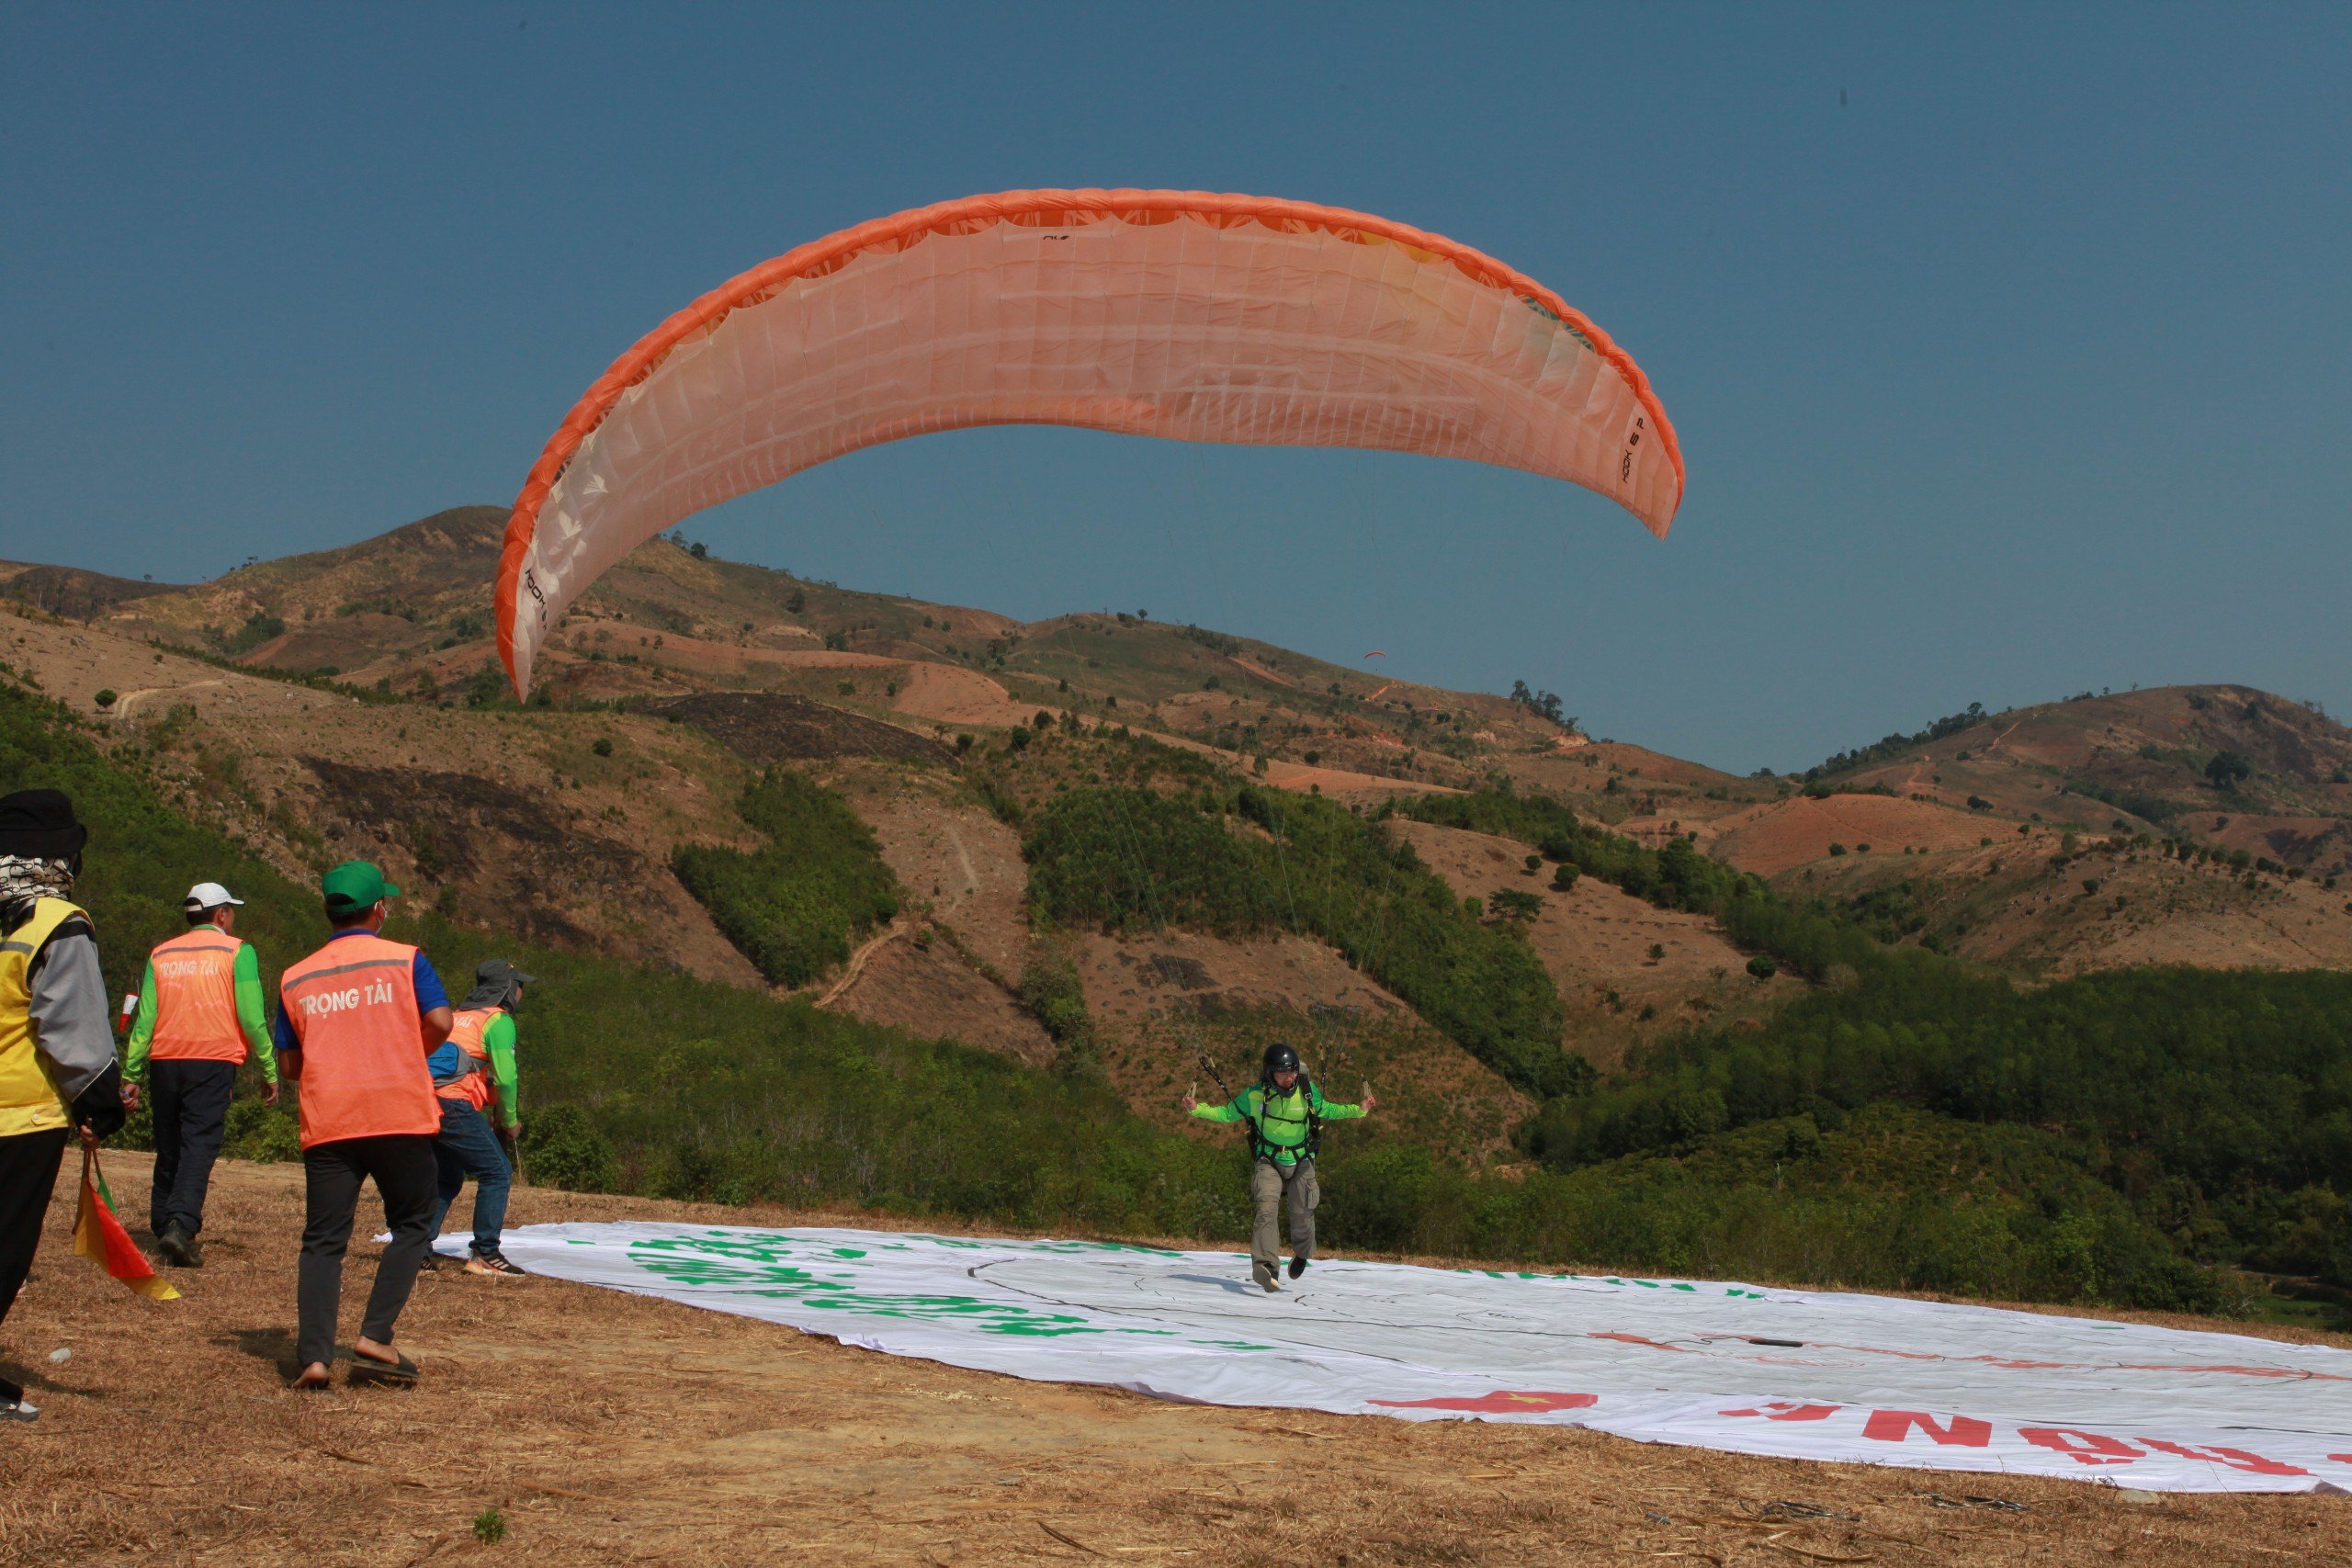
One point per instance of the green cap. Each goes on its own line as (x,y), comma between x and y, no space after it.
(353,887)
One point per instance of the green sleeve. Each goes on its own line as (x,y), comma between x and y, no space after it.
(142,1028)
(1237,1108)
(1331,1113)
(253,1012)
(497,1039)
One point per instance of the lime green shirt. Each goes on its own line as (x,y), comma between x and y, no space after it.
(497,1039)
(252,1019)
(1279,1120)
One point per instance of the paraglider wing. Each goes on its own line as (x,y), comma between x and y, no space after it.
(1377,653)
(1174,314)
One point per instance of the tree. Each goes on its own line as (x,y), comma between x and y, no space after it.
(2227,770)
(1544,704)
(1511,904)
(1565,874)
(1657,952)
(1762,966)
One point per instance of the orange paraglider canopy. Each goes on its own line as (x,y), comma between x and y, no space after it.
(1182,314)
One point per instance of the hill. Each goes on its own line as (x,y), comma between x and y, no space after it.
(680,675)
(776,927)
(2208,825)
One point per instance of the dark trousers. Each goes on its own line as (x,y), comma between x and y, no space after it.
(403,1171)
(468,1147)
(191,1102)
(28,1163)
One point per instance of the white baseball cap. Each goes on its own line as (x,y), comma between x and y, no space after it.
(208,896)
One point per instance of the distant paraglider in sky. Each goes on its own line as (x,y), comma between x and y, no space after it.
(1377,653)
(1182,314)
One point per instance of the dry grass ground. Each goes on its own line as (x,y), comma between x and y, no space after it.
(610,1428)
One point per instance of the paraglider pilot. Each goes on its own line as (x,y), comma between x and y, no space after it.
(1285,1112)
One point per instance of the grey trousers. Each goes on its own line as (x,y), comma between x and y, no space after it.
(1270,1186)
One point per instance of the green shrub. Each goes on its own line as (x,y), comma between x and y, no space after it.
(260,1131)
(2208,1097)
(561,1147)
(1050,991)
(794,907)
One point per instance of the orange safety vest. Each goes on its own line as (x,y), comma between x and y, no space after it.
(196,998)
(353,1006)
(471,1083)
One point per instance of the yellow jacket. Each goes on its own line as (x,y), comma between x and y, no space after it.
(29,1099)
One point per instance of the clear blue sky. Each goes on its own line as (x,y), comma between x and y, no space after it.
(2010,347)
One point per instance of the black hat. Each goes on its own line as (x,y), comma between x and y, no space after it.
(497,984)
(38,824)
(1281,1059)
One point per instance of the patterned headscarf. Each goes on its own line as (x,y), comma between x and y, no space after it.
(24,878)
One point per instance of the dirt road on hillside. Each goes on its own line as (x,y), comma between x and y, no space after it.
(607,1429)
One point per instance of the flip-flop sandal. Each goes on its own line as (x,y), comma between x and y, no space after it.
(399,1374)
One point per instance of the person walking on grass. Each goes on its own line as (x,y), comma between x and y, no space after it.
(200,1012)
(355,1022)
(58,1071)
(1285,1111)
(473,1071)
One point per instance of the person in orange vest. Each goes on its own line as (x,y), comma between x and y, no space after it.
(474,1069)
(200,1011)
(355,1022)
(57,1066)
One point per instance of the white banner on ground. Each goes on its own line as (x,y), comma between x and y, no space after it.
(1797,1373)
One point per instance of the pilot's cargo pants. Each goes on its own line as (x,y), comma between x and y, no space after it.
(1270,1186)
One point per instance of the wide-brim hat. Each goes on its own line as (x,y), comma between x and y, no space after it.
(39,824)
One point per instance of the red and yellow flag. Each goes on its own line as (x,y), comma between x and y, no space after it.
(99,1237)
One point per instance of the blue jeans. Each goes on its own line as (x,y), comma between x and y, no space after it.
(468,1147)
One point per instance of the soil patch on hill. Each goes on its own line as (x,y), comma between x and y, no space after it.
(538,868)
(1626,969)
(768,727)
